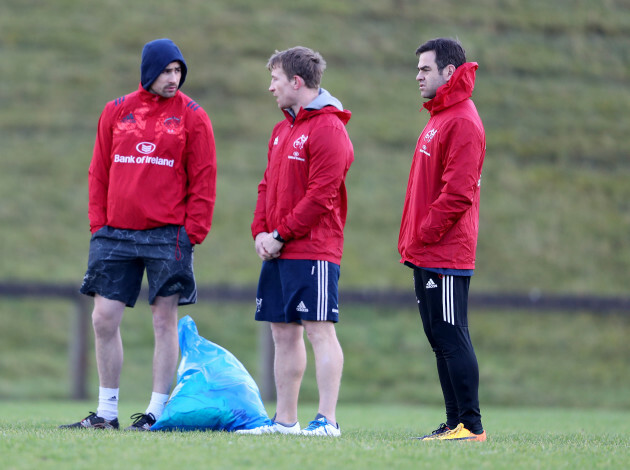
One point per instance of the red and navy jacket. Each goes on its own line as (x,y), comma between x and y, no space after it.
(154,164)
(303,193)
(440,220)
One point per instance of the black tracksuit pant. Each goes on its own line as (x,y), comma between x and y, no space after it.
(443,305)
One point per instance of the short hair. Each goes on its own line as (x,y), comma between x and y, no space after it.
(300,61)
(447,51)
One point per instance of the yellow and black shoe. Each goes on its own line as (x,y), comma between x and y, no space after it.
(460,433)
(440,430)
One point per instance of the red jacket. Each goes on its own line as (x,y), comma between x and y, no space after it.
(154,164)
(303,193)
(440,219)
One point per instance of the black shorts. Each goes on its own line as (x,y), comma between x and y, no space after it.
(118,258)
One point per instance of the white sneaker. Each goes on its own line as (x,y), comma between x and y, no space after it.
(274,428)
(321,427)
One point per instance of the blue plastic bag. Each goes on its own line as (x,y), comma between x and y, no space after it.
(213,392)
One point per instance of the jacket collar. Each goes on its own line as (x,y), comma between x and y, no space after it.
(304,114)
(324,103)
(457,89)
(147,96)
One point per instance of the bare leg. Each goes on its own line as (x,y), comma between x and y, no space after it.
(328,365)
(289,367)
(106,319)
(166,352)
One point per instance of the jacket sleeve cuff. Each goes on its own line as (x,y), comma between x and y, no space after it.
(284,232)
(256,229)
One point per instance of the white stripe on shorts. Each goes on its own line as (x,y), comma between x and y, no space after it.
(322,290)
(448,306)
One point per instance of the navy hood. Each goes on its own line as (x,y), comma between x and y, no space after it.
(156,55)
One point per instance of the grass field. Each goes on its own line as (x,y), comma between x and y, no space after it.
(555,217)
(373,436)
(554,204)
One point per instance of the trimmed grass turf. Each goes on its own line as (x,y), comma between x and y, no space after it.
(374,436)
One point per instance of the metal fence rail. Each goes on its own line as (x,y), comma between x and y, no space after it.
(78,347)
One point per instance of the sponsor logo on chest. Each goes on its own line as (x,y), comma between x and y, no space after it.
(146,149)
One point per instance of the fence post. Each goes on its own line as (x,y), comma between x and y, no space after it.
(79,348)
(266,357)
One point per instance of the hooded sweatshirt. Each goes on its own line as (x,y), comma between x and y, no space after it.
(154,161)
(440,220)
(156,55)
(303,193)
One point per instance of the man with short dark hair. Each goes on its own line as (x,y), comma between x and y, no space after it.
(298,230)
(152,192)
(440,222)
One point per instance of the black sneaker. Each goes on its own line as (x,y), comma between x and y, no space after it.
(94,422)
(142,422)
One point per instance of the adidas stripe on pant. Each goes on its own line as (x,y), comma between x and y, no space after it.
(443,306)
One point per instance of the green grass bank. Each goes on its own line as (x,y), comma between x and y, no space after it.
(551,89)
(555,217)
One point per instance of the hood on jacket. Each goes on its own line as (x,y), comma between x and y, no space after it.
(457,89)
(323,100)
(156,55)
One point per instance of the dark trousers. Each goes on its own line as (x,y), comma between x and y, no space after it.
(443,305)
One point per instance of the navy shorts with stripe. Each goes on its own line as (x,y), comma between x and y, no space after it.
(290,291)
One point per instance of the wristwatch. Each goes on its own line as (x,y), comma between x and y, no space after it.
(277,236)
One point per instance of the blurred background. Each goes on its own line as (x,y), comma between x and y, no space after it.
(552,90)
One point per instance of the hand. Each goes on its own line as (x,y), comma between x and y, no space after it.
(271,246)
(260,251)
(267,247)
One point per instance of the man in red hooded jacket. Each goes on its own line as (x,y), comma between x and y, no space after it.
(438,233)
(298,230)
(152,192)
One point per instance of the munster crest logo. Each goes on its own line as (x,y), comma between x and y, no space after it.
(172,124)
(429,135)
(300,141)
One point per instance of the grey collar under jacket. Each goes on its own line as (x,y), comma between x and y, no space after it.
(324,98)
